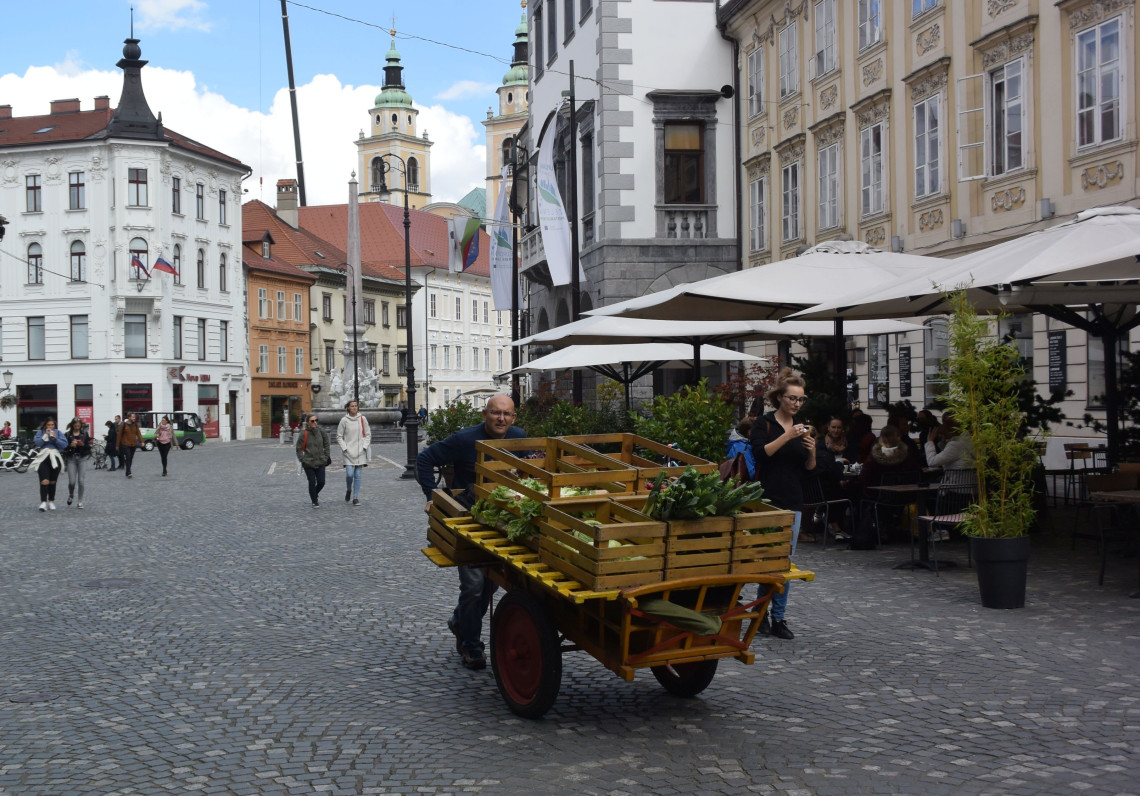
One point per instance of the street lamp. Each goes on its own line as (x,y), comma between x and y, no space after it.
(411,424)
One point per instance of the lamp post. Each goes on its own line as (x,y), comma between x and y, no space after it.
(411,424)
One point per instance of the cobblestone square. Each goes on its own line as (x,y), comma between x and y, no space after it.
(211,633)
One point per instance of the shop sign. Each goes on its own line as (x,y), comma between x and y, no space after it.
(179,374)
(284,385)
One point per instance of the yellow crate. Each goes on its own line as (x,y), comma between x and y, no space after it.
(445,513)
(633,450)
(594,564)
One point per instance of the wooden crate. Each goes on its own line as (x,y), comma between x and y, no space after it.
(762,539)
(593,563)
(633,453)
(445,513)
(554,462)
(755,541)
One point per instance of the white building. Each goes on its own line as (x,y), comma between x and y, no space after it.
(85,332)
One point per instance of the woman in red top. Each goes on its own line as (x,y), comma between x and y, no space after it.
(164,438)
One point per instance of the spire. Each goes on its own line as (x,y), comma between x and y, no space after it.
(519,73)
(393,93)
(133,117)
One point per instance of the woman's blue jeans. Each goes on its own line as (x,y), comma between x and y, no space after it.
(780,601)
(352,473)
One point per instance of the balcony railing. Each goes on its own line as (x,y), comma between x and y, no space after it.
(686,221)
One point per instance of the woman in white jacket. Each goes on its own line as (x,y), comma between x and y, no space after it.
(957,451)
(354,435)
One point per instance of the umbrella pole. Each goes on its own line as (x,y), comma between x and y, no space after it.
(1110,340)
(696,363)
(625,381)
(840,359)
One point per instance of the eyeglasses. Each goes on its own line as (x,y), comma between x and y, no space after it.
(501,414)
(312,422)
(795,399)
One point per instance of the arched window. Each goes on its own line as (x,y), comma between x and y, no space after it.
(377,173)
(202,269)
(35,264)
(138,252)
(413,174)
(508,147)
(222,273)
(78,262)
(177,263)
(395,121)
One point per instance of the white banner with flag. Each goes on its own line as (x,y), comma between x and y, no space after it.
(552,215)
(502,267)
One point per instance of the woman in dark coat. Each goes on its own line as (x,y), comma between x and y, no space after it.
(784,451)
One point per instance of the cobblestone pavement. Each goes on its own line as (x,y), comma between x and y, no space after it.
(211,633)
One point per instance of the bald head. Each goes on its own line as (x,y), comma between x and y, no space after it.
(498,416)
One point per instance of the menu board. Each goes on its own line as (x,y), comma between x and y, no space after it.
(904,371)
(1057,362)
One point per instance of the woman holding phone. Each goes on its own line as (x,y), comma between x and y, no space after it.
(785,452)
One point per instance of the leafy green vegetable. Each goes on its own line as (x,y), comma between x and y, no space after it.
(691,496)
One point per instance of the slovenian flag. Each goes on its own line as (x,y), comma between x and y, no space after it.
(162,265)
(464,233)
(137,263)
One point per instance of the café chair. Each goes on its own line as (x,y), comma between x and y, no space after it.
(887,503)
(817,505)
(957,490)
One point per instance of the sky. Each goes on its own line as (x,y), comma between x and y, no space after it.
(217,73)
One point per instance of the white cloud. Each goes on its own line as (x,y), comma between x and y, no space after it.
(467,88)
(332,115)
(172,15)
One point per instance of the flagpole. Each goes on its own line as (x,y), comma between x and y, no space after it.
(575,286)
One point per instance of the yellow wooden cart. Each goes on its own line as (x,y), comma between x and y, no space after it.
(677,628)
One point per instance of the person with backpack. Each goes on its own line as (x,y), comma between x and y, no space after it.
(739,445)
(354,435)
(313,448)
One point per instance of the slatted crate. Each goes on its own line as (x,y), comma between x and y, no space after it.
(588,558)
(634,451)
(553,461)
(445,514)
(762,539)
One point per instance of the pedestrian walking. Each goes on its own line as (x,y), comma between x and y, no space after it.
(48,461)
(354,436)
(164,438)
(119,453)
(458,451)
(313,448)
(75,458)
(112,446)
(130,439)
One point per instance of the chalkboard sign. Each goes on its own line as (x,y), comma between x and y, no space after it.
(904,371)
(1057,362)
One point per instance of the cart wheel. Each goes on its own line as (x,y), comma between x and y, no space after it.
(525,654)
(686,679)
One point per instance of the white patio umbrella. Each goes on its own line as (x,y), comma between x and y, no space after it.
(833,269)
(1087,264)
(626,364)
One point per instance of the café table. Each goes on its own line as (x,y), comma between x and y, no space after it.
(917,495)
(1129,497)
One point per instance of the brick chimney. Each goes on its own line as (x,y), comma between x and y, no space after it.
(64,106)
(5,111)
(287,201)
(102,103)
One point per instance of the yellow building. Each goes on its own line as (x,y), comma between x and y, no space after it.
(937,128)
(392,123)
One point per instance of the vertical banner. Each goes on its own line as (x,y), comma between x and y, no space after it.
(502,289)
(552,215)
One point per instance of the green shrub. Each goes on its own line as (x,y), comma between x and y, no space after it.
(444,421)
(694,418)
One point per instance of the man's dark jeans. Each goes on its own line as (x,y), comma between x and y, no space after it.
(474,600)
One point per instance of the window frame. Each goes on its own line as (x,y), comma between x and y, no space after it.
(200,201)
(78,260)
(137,188)
(141,249)
(281,316)
(262,302)
(222,207)
(757,214)
(201,339)
(222,284)
(177,255)
(872,182)
(76,190)
(75,325)
(1095,111)
(755,67)
(676,162)
(326,307)
(870,23)
(201,269)
(177,328)
(401,316)
(298,307)
(791,202)
(176,196)
(1001,110)
(789,60)
(33,193)
(827,209)
(920,7)
(299,360)
(139,322)
(925,184)
(223,341)
(35,263)
(263,358)
(37,342)
(283,360)
(878,370)
(370,312)
(828,32)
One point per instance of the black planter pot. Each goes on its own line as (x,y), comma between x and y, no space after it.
(1002,565)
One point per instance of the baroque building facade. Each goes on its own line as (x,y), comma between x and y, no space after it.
(89,326)
(936,128)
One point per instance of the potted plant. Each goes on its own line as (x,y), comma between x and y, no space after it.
(984,384)
(7,401)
